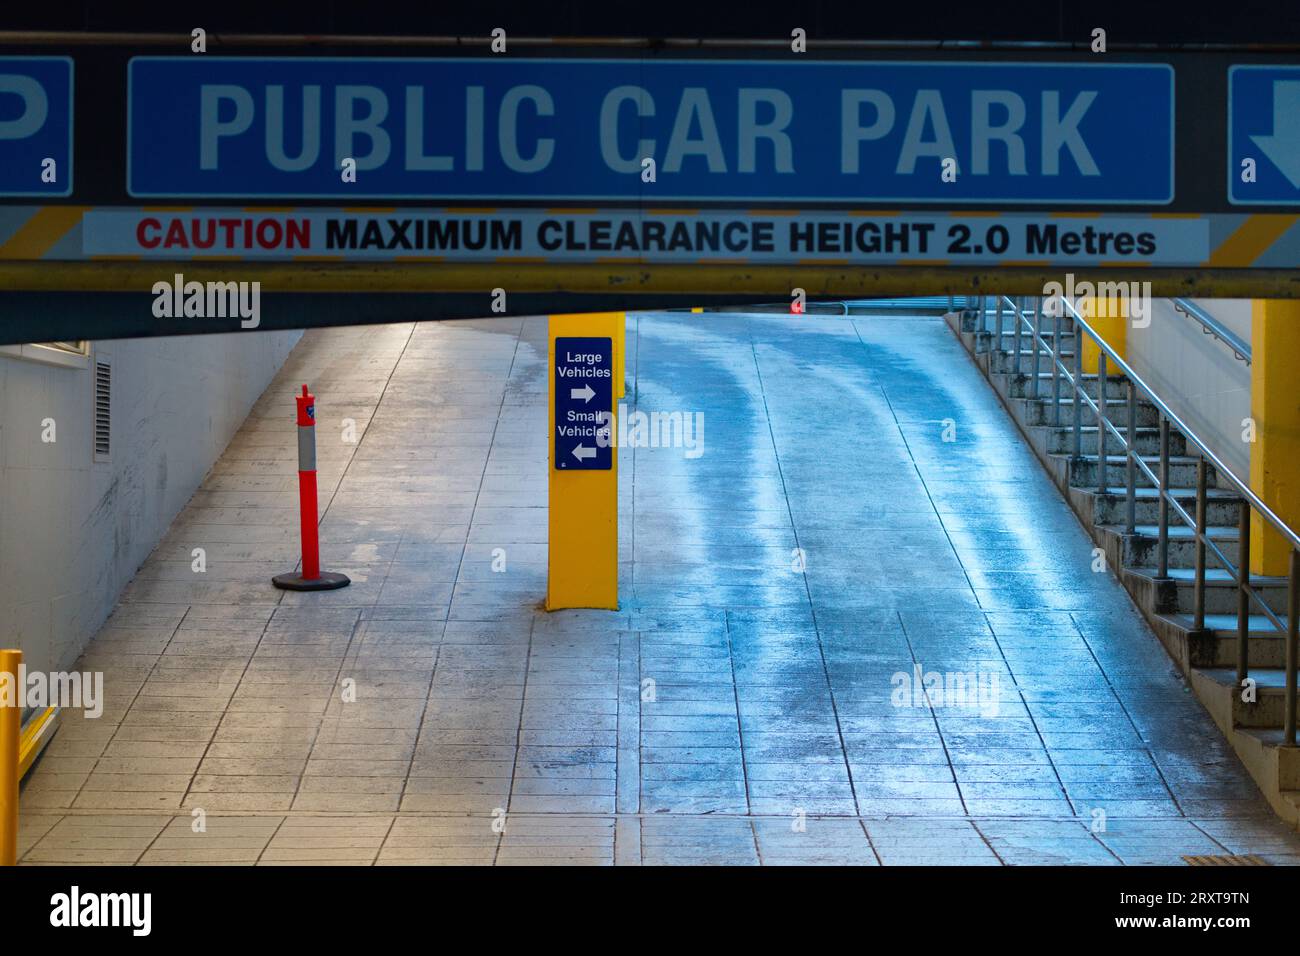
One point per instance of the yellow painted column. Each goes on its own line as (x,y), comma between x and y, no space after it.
(11,716)
(1109,316)
(1275,406)
(620,355)
(582,546)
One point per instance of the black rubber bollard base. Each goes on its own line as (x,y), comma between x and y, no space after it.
(328,581)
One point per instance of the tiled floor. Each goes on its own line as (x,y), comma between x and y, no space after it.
(863,509)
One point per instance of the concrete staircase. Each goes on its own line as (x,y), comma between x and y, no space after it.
(1207,657)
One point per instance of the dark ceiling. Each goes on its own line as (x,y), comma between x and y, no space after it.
(1133,22)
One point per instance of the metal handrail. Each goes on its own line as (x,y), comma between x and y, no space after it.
(1212,326)
(1082,395)
(1241,488)
(1240,572)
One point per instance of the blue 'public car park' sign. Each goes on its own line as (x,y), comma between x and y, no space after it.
(852,132)
(1264,126)
(35,126)
(583,393)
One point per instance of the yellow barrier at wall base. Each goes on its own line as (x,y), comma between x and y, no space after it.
(11,715)
(34,737)
(1275,453)
(582,545)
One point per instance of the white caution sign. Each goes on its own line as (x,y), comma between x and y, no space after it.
(762,237)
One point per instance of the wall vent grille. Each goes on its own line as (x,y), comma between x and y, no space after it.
(103,409)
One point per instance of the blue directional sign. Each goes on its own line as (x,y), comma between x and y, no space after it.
(1264,135)
(633,130)
(35,126)
(584,400)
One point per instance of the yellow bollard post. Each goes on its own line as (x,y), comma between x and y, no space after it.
(1275,408)
(582,545)
(11,716)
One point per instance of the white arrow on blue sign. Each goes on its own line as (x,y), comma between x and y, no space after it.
(1264,127)
(583,433)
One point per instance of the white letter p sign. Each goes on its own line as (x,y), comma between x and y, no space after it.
(36,106)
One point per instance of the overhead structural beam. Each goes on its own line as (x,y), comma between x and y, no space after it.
(710,279)
(44,302)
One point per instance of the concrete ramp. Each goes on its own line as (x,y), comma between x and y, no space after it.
(858,625)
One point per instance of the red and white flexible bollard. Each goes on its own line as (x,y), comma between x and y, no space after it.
(310,578)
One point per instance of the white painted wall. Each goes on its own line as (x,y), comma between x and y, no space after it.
(1197,374)
(74,531)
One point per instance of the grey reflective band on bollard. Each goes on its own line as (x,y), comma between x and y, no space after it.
(306,448)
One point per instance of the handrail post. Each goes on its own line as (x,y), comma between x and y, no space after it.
(997,326)
(1198,612)
(1056,369)
(1292,641)
(1018,316)
(11,715)
(1130,463)
(1101,423)
(1078,395)
(1243,594)
(1038,346)
(1162,542)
